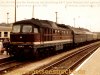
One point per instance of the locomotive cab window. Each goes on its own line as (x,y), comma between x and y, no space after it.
(36,30)
(16,28)
(27,28)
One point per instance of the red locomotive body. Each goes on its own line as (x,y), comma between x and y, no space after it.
(35,37)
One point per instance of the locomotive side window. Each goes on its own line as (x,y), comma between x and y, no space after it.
(53,31)
(64,32)
(27,28)
(16,28)
(36,30)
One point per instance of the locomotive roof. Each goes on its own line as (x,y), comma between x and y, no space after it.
(63,26)
(54,24)
(40,23)
(48,23)
(29,21)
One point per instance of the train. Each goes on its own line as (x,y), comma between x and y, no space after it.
(34,38)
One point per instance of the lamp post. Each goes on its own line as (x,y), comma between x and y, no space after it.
(33,12)
(15,10)
(78,22)
(56,16)
(74,21)
(7,17)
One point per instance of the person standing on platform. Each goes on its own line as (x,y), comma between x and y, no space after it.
(5,45)
(1,47)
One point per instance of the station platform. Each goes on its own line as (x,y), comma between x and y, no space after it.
(91,66)
(4,55)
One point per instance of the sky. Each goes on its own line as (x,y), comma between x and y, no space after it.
(77,13)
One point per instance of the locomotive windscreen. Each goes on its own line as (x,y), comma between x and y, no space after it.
(25,28)
(22,33)
(16,28)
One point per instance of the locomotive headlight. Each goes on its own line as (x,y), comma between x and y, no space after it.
(30,46)
(20,46)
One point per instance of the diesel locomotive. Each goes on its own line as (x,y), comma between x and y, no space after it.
(36,38)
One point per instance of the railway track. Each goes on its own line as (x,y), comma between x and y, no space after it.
(8,66)
(6,59)
(66,65)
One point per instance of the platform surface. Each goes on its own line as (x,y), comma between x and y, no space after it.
(91,66)
(2,56)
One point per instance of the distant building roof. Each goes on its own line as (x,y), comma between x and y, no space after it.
(7,25)
(4,28)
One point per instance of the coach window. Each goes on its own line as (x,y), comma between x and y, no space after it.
(0,34)
(67,32)
(53,31)
(46,31)
(58,31)
(49,31)
(36,30)
(64,32)
(5,34)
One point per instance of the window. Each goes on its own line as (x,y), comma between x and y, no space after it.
(49,31)
(64,32)
(16,28)
(0,34)
(36,30)
(46,31)
(67,32)
(5,34)
(53,31)
(27,28)
(58,31)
